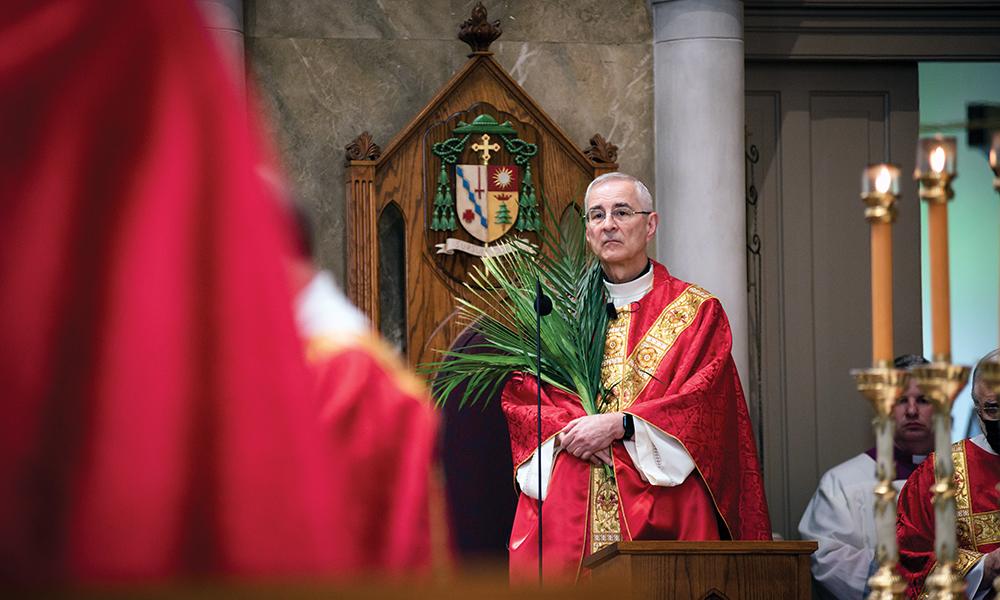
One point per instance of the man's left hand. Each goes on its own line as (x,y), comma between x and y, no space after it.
(585,436)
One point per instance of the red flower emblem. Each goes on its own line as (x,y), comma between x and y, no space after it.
(468,215)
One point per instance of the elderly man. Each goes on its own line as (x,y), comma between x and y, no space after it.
(674,429)
(977,471)
(840,515)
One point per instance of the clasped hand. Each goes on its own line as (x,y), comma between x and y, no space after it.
(589,438)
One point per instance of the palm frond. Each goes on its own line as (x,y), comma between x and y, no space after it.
(501,308)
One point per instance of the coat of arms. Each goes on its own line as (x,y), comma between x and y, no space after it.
(487,200)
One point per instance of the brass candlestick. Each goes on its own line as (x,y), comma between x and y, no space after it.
(941,382)
(882,386)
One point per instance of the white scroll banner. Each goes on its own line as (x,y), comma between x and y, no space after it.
(450,245)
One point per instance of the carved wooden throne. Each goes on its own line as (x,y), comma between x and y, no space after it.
(401,201)
(482,162)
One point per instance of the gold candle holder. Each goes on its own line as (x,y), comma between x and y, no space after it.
(882,386)
(941,382)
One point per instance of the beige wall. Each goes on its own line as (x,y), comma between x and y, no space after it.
(329,69)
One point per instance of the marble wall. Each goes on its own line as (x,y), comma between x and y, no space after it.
(329,69)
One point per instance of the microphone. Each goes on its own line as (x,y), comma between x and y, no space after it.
(543,304)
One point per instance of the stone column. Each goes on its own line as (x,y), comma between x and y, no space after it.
(699,104)
(224,18)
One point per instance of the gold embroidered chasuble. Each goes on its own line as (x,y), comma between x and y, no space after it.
(977,504)
(626,375)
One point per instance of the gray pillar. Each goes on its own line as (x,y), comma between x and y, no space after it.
(699,103)
(224,18)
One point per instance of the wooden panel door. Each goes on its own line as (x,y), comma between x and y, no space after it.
(815,126)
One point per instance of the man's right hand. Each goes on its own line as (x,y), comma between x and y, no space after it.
(600,457)
(589,437)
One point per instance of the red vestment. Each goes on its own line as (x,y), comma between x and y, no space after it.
(382,432)
(675,372)
(159,418)
(976,500)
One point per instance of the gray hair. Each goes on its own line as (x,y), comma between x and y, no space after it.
(977,373)
(905,361)
(641,191)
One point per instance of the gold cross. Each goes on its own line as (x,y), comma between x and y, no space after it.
(485,148)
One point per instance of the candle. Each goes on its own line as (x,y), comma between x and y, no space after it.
(881,235)
(935,170)
(995,160)
(937,220)
(937,159)
(883,180)
(879,189)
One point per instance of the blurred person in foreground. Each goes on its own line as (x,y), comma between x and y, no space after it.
(840,515)
(160,421)
(381,428)
(977,471)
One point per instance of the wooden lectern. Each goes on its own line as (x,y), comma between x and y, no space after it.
(706,570)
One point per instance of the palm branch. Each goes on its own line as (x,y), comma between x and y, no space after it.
(501,309)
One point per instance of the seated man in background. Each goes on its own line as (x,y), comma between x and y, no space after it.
(840,515)
(977,471)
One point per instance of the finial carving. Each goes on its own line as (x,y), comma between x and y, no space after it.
(477,31)
(601,150)
(363,148)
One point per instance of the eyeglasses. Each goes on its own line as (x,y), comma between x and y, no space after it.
(621,214)
(990,412)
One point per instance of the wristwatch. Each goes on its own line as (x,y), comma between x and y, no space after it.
(629,425)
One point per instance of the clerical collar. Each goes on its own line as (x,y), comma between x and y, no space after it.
(905,462)
(631,291)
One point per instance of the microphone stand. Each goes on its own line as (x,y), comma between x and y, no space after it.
(543,306)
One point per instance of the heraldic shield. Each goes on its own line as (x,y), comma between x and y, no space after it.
(486,199)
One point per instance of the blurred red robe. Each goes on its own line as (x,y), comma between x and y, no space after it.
(677,374)
(160,421)
(977,502)
(382,435)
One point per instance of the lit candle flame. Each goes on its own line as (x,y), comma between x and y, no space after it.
(937,159)
(883,180)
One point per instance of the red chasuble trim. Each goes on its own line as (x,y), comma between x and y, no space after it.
(634,373)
